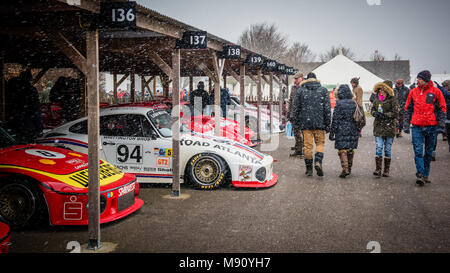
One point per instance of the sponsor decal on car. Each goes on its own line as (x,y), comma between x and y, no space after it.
(245,172)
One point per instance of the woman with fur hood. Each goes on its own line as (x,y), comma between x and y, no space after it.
(344,131)
(385,110)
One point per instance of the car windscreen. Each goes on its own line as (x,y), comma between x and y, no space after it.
(163,122)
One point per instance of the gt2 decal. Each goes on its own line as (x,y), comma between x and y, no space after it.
(129,153)
(163,162)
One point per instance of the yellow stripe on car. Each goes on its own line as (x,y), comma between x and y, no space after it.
(79,179)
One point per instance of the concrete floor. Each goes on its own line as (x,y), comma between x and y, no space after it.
(299,214)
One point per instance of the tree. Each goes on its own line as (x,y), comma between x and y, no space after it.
(377,56)
(336,50)
(264,39)
(297,54)
(397,57)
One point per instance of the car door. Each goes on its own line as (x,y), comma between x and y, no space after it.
(130,143)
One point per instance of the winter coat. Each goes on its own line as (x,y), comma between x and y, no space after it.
(401,94)
(358,92)
(447,100)
(311,106)
(291,103)
(23,110)
(385,126)
(425,106)
(203,95)
(343,127)
(225,100)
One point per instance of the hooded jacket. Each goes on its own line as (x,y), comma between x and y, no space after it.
(425,106)
(343,126)
(311,106)
(386,126)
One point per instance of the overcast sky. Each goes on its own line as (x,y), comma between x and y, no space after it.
(418,30)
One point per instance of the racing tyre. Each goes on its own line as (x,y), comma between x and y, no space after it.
(207,171)
(21,203)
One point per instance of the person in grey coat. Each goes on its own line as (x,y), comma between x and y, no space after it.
(401,92)
(344,131)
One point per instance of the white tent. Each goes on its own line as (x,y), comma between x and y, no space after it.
(340,70)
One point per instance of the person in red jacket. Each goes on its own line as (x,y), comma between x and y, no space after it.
(425,110)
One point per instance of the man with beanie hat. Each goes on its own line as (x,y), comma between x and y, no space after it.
(357,91)
(312,114)
(298,134)
(425,109)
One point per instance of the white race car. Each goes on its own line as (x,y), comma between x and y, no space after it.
(251,116)
(138,140)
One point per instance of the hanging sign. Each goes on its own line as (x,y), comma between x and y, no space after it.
(118,15)
(193,40)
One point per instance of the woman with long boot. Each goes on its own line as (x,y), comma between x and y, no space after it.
(385,110)
(344,131)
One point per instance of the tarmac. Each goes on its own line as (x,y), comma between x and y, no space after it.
(299,214)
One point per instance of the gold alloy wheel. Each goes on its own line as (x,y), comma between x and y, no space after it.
(206,170)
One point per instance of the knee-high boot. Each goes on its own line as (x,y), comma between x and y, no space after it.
(350,155)
(344,163)
(378,165)
(387,166)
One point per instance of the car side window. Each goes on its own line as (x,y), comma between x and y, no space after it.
(125,125)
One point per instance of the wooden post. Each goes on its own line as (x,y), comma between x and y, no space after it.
(271,101)
(176,122)
(115,86)
(143,84)
(92,61)
(191,84)
(2,64)
(133,86)
(154,86)
(242,98)
(259,94)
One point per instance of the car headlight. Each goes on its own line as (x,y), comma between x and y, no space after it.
(261,174)
(103,204)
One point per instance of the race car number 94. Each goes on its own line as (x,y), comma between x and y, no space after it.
(129,153)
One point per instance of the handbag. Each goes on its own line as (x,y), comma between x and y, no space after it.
(359,117)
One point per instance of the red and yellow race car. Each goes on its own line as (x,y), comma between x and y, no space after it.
(40,183)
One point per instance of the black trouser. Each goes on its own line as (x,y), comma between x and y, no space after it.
(447,129)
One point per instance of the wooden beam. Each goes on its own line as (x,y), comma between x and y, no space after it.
(92,65)
(39,75)
(207,72)
(68,49)
(160,63)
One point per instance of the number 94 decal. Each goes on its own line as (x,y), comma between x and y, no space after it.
(129,153)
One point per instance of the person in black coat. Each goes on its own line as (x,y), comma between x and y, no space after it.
(199,94)
(312,114)
(344,131)
(23,109)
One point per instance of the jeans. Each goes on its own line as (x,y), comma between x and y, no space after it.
(420,136)
(385,142)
